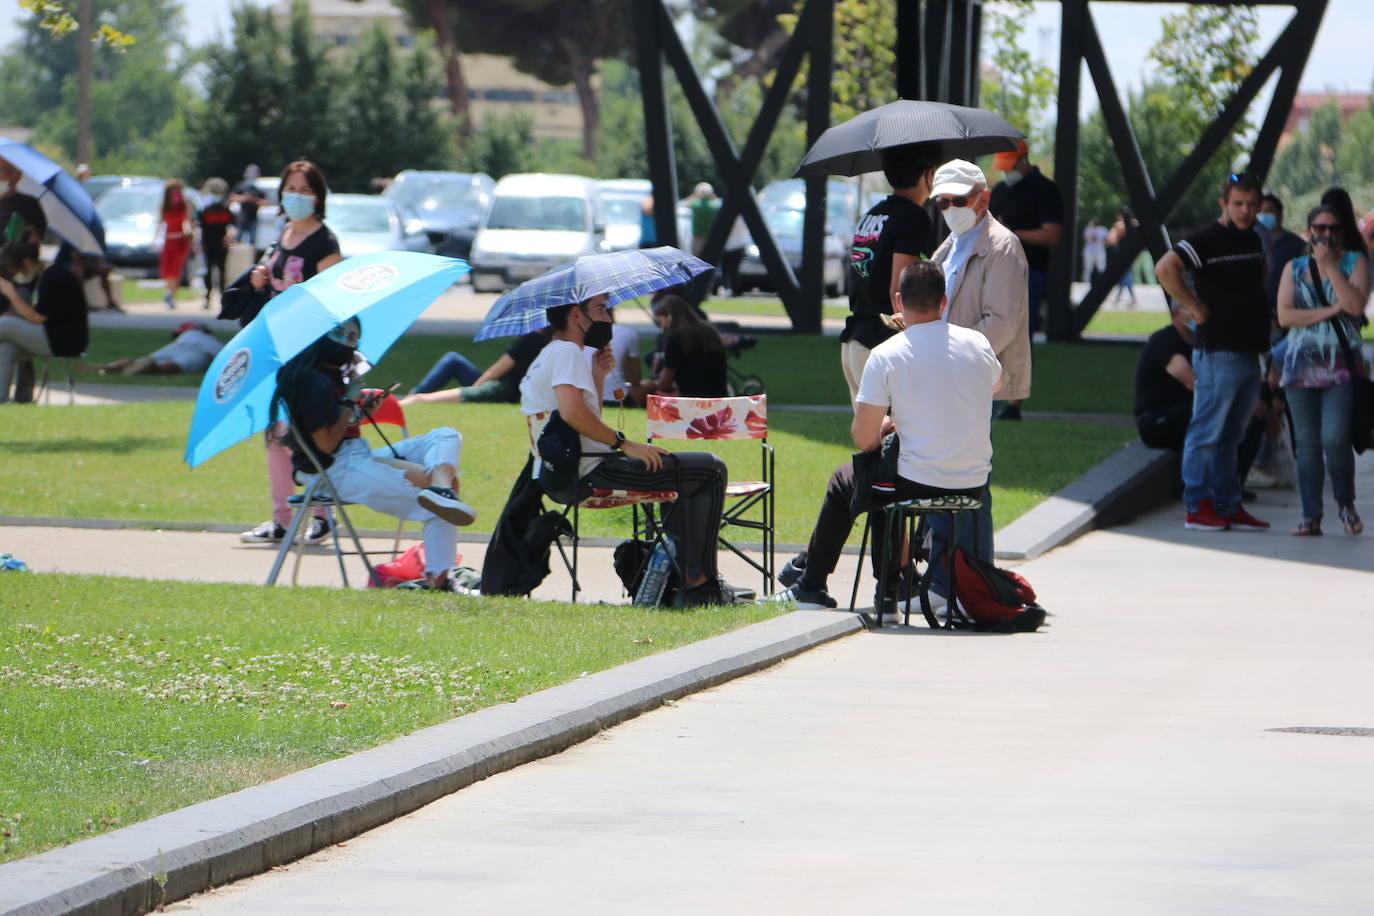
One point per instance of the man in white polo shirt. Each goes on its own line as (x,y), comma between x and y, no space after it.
(932,384)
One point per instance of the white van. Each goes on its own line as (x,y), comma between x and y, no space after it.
(535,222)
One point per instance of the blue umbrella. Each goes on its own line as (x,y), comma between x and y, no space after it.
(621,275)
(67,206)
(386,291)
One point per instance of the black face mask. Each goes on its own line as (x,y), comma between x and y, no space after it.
(334,353)
(598,335)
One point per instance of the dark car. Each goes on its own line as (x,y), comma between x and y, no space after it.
(450,205)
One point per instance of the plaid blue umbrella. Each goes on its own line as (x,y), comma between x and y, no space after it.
(621,275)
(67,206)
(386,291)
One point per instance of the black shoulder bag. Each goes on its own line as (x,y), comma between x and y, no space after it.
(240,301)
(1362,396)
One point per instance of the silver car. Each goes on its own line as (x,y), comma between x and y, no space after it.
(364,224)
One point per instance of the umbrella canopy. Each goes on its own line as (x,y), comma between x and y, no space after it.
(856,146)
(621,275)
(67,206)
(386,291)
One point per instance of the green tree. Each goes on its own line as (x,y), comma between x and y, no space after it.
(865,58)
(1017,86)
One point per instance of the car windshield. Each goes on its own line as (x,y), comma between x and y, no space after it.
(785,222)
(568,214)
(359,216)
(621,211)
(434,195)
(129,203)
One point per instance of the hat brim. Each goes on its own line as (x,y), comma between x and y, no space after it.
(953,187)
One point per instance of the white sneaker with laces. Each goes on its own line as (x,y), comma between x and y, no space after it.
(269,532)
(318,530)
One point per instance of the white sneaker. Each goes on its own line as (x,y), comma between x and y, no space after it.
(318,530)
(445,503)
(269,532)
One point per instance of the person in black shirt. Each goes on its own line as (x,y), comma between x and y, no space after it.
(415,479)
(54,325)
(693,353)
(895,232)
(1280,245)
(1228,303)
(499,384)
(249,199)
(216,231)
(1164,385)
(1029,204)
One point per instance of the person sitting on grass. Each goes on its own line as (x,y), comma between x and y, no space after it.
(192,349)
(500,384)
(931,385)
(416,479)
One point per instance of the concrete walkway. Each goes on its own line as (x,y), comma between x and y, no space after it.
(1188,734)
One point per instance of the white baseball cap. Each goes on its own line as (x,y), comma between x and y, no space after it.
(958,176)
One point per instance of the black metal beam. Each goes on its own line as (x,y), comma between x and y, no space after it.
(975,65)
(807,319)
(936,37)
(1285,91)
(910,84)
(658,135)
(958,57)
(1073,26)
(727,162)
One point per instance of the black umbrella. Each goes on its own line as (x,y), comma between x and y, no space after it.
(956,132)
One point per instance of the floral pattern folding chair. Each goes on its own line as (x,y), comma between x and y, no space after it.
(716,419)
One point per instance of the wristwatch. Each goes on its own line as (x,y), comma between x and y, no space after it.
(619,442)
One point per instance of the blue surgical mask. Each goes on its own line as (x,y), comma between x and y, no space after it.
(1267,220)
(297,206)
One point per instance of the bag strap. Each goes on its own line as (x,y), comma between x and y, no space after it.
(1351,364)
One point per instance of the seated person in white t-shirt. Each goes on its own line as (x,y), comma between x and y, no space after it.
(192,350)
(931,384)
(561,379)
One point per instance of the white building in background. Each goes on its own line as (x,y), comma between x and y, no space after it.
(495,87)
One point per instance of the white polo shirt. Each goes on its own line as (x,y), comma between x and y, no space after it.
(936,381)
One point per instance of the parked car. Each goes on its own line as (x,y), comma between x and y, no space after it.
(536,222)
(364,223)
(842,203)
(786,226)
(97,185)
(450,206)
(623,199)
(130,215)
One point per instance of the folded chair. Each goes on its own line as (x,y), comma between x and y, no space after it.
(321,494)
(720,419)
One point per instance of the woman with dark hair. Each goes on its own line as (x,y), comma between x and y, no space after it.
(416,479)
(1338,199)
(174,226)
(560,379)
(693,353)
(54,325)
(306,248)
(1321,299)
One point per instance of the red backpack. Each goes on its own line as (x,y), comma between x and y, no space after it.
(995,599)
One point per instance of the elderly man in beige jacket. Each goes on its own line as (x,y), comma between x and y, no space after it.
(985,280)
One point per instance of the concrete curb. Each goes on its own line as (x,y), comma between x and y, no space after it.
(167,858)
(1131,481)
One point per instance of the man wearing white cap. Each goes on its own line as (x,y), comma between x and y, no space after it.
(985,280)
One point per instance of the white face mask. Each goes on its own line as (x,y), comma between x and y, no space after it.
(1011,177)
(960,219)
(6,186)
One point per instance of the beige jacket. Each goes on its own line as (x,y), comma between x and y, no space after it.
(990,296)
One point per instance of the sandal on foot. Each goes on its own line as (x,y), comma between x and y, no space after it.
(1351,519)
(1308,528)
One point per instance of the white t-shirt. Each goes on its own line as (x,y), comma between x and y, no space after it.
(937,381)
(624,345)
(562,362)
(1094,239)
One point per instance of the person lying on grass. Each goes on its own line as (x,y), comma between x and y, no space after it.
(416,479)
(192,349)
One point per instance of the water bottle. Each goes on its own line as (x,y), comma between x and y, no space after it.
(10,563)
(656,574)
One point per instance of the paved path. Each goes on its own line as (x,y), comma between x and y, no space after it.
(1124,760)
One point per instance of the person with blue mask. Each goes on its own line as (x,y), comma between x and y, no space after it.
(1280,245)
(306,248)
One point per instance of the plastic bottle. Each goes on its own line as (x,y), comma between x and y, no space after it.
(10,563)
(656,574)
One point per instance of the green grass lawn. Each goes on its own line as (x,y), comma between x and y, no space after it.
(125,462)
(728,307)
(123,699)
(1070,378)
(1126,324)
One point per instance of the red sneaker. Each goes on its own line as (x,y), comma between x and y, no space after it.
(1244,521)
(1205,518)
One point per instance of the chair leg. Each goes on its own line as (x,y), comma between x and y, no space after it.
(952,608)
(859,571)
(338,547)
(577,535)
(71,383)
(289,539)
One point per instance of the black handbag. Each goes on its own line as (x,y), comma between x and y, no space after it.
(560,452)
(240,301)
(1362,395)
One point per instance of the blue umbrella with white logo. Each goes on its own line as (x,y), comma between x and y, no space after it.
(385,291)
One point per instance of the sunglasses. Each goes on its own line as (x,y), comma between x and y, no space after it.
(1244,180)
(944,203)
(1323,228)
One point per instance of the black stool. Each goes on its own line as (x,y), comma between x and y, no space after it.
(903,518)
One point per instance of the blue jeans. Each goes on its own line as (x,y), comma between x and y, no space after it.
(1321,423)
(450,367)
(1226,386)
